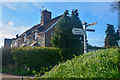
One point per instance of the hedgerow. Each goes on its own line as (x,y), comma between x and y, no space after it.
(37,57)
(97,64)
(40,59)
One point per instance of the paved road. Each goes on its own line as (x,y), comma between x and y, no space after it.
(14,77)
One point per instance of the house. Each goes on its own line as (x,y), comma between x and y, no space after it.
(40,34)
(7,42)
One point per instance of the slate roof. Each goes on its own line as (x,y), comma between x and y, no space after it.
(40,27)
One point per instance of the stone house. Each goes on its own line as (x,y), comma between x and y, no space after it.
(40,34)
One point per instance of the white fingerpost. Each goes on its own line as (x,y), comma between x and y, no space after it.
(79,31)
(85,37)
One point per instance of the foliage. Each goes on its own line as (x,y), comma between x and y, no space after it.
(111,36)
(21,71)
(41,59)
(115,6)
(7,58)
(97,64)
(37,57)
(63,37)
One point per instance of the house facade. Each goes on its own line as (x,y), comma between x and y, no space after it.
(38,35)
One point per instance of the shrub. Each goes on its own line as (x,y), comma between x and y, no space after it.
(37,57)
(21,71)
(7,58)
(95,64)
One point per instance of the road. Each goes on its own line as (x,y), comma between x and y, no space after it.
(14,77)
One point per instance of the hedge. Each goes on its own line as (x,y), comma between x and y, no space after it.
(96,64)
(37,58)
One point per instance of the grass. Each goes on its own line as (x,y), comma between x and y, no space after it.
(96,64)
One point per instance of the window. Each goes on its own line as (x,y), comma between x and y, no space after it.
(24,38)
(11,45)
(15,43)
(35,35)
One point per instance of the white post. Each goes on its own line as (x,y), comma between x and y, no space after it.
(85,38)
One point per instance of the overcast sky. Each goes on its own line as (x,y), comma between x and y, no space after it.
(17,17)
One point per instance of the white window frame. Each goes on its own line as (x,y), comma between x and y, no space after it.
(15,43)
(35,35)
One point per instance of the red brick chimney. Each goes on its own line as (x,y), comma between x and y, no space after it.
(45,17)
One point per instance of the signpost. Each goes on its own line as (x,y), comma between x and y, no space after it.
(79,31)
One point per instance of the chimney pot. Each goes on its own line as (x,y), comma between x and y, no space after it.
(45,17)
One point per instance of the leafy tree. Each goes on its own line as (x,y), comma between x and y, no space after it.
(111,36)
(63,37)
(115,7)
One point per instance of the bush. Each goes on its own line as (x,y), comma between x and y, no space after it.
(37,57)
(7,58)
(68,53)
(21,71)
(96,64)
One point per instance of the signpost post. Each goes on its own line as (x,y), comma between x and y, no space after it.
(79,31)
(85,37)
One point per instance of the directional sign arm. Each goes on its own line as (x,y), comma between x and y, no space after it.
(78,31)
(91,24)
(92,30)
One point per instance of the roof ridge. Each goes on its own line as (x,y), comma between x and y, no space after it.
(36,26)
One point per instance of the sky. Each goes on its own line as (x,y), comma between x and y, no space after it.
(17,17)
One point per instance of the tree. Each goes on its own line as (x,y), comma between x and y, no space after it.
(111,36)
(115,6)
(63,37)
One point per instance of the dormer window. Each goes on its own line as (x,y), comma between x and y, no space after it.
(24,38)
(35,36)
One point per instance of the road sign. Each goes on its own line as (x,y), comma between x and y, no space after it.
(92,30)
(78,31)
(91,24)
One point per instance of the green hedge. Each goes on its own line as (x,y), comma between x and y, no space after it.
(38,58)
(7,58)
(96,64)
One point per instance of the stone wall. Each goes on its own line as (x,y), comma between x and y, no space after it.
(41,40)
(48,37)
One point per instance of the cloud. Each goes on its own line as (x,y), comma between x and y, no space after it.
(8,31)
(9,6)
(10,23)
(39,5)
